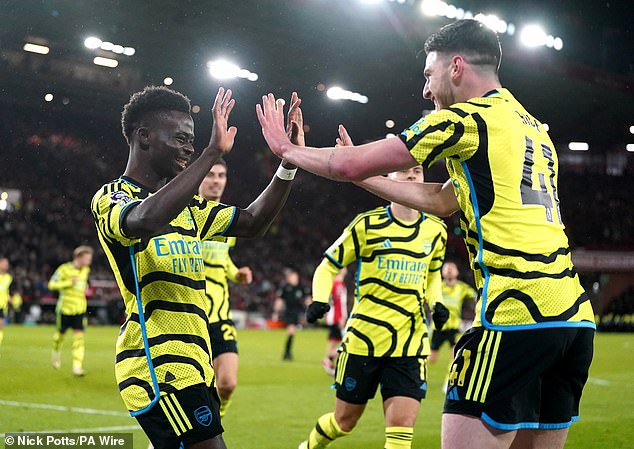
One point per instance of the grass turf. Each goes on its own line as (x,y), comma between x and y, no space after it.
(276,402)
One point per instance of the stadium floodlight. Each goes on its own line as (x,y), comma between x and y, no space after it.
(338,93)
(168,81)
(390,135)
(533,36)
(558,44)
(632,129)
(433,7)
(129,51)
(105,62)
(48,98)
(578,146)
(107,46)
(92,42)
(546,127)
(118,49)
(389,123)
(223,70)
(36,48)
(630,147)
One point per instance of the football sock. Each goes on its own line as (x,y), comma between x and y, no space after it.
(57,341)
(78,350)
(398,437)
(325,432)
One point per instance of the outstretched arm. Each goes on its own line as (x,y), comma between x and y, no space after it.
(342,164)
(155,212)
(432,198)
(256,219)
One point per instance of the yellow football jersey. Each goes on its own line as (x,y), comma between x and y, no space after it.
(503,167)
(454,297)
(218,268)
(5,283)
(164,343)
(71,283)
(398,271)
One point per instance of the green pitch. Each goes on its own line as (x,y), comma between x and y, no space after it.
(276,402)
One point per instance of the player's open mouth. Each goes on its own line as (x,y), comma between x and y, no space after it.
(182,162)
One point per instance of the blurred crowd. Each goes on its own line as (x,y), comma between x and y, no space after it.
(57,169)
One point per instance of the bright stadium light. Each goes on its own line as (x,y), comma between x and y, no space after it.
(338,93)
(105,62)
(630,147)
(92,42)
(223,70)
(36,48)
(118,49)
(107,46)
(533,36)
(433,7)
(129,51)
(168,81)
(578,146)
(632,129)
(389,123)
(48,98)
(546,127)
(558,44)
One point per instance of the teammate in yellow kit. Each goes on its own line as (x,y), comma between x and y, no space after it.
(70,280)
(218,269)
(454,294)
(5,285)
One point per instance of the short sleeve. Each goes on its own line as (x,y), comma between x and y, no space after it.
(212,218)
(448,133)
(347,248)
(109,209)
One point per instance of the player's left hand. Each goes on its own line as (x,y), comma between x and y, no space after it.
(344,139)
(222,138)
(271,117)
(316,310)
(244,275)
(440,315)
(295,122)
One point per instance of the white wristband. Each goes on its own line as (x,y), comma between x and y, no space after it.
(285,174)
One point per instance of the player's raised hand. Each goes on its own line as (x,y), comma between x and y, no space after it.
(344,139)
(271,117)
(295,122)
(244,275)
(222,137)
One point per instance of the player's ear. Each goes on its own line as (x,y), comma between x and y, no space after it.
(143,137)
(457,67)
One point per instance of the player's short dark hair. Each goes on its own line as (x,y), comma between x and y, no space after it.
(221,161)
(478,43)
(151,100)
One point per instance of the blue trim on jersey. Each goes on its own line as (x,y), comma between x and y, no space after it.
(146,345)
(485,271)
(389,214)
(123,211)
(527,425)
(233,215)
(131,183)
(356,281)
(334,262)
(491,93)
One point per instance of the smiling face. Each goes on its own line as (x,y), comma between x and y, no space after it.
(438,86)
(170,138)
(214,183)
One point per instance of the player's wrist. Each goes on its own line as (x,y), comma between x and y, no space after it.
(285,173)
